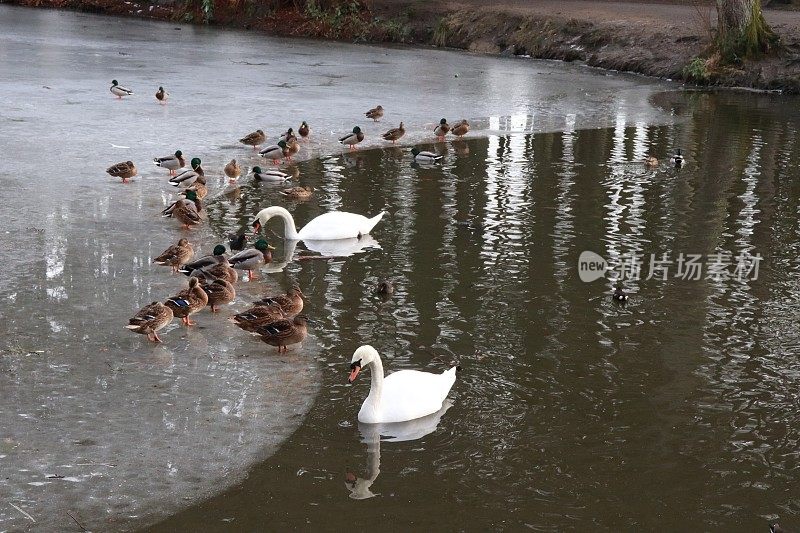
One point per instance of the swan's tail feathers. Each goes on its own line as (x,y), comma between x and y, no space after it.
(372,222)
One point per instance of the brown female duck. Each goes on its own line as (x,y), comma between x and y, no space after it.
(150,319)
(290,303)
(124,170)
(219,292)
(283,333)
(257,316)
(395,133)
(176,255)
(254,139)
(188,301)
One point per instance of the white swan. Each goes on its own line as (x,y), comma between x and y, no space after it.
(403,395)
(326,227)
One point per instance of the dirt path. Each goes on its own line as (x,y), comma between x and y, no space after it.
(656,38)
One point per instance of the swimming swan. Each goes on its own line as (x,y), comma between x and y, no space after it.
(403,395)
(326,227)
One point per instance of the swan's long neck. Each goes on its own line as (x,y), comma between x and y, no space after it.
(376,385)
(290,230)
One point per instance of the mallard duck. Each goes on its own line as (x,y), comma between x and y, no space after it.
(150,319)
(288,136)
(118,90)
(651,161)
(375,113)
(290,303)
(171,162)
(188,176)
(161,95)
(254,139)
(276,152)
(283,333)
(258,315)
(124,170)
(460,128)
(187,210)
(233,170)
(216,257)
(292,147)
(260,254)
(298,193)
(677,159)
(304,130)
(188,301)
(353,138)
(236,241)
(441,129)
(424,157)
(219,271)
(199,187)
(395,133)
(269,175)
(384,288)
(176,255)
(776,528)
(620,295)
(220,292)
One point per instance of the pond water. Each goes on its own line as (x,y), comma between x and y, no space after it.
(677,410)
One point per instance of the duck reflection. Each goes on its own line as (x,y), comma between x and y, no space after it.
(373,434)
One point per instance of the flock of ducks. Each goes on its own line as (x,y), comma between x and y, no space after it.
(277,320)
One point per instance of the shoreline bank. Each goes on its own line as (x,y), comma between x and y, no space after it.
(658,40)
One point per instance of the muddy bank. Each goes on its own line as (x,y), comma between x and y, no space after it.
(655,39)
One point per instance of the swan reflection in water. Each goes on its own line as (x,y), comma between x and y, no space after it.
(337,248)
(373,434)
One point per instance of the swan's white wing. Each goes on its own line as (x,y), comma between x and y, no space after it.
(410,394)
(332,226)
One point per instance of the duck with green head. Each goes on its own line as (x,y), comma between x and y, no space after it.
(186,210)
(270,175)
(161,96)
(215,258)
(118,90)
(171,162)
(276,152)
(352,138)
(188,176)
(441,129)
(252,258)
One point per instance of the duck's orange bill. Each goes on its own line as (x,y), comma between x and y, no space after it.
(354,374)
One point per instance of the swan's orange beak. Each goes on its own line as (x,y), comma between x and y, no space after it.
(256,227)
(353,373)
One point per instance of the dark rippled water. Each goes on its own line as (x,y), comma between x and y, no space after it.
(677,411)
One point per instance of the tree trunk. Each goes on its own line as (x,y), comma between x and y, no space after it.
(742,31)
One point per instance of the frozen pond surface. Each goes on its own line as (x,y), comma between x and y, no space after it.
(98,422)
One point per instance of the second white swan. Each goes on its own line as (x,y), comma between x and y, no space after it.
(403,395)
(326,227)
